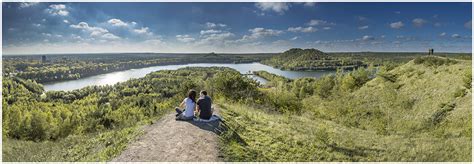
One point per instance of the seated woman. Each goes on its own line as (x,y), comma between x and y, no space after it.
(189,104)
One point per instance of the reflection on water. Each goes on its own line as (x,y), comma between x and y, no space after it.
(120,76)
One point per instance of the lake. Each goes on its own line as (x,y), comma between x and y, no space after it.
(120,76)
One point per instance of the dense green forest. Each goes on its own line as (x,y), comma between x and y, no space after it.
(70,67)
(417,111)
(310,59)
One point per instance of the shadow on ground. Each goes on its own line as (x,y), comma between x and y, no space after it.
(215,126)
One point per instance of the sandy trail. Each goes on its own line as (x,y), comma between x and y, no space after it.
(170,140)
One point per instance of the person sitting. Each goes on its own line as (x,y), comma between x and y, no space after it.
(204,104)
(189,104)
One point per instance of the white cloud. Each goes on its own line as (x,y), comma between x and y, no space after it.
(302,29)
(294,38)
(214,25)
(66,21)
(437,24)
(95,31)
(317,22)
(456,36)
(468,24)
(397,25)
(367,37)
(110,36)
(278,7)
(27,4)
(215,39)
(58,9)
(211,31)
(327,28)
(143,30)
(184,38)
(259,32)
(117,22)
(363,27)
(36,24)
(46,34)
(418,22)
(92,30)
(442,34)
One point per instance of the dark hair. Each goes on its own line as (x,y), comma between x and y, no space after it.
(203,92)
(192,95)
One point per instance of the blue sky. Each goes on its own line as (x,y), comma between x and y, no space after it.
(38,28)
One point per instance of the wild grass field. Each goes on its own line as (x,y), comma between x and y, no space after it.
(419,111)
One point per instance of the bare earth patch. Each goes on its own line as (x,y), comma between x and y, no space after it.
(170,140)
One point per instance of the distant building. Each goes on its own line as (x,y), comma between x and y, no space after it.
(430,51)
(43,58)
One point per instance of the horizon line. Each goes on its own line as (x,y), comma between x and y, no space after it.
(243,53)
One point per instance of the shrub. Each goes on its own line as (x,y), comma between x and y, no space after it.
(283,101)
(324,86)
(233,85)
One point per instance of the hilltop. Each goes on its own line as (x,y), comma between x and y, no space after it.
(309,59)
(419,111)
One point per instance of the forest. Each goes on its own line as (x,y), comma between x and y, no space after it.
(75,66)
(416,111)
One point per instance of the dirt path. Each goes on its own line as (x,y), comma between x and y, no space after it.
(170,140)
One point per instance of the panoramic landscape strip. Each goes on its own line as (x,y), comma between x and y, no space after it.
(258,82)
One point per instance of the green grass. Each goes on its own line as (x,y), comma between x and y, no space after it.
(414,112)
(254,135)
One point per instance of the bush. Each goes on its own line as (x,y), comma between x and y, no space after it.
(283,101)
(233,85)
(324,86)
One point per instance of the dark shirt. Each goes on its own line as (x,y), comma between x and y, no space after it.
(204,104)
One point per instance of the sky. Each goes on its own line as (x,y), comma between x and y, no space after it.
(58,28)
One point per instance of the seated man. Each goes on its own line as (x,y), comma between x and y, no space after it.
(204,104)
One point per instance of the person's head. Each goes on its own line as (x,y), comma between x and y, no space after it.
(203,93)
(192,95)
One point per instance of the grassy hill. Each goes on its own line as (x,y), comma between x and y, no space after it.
(420,111)
(309,59)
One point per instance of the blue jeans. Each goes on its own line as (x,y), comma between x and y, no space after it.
(180,115)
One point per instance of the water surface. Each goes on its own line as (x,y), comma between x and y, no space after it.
(120,76)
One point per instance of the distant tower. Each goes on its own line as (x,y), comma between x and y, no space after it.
(43,58)
(431,51)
